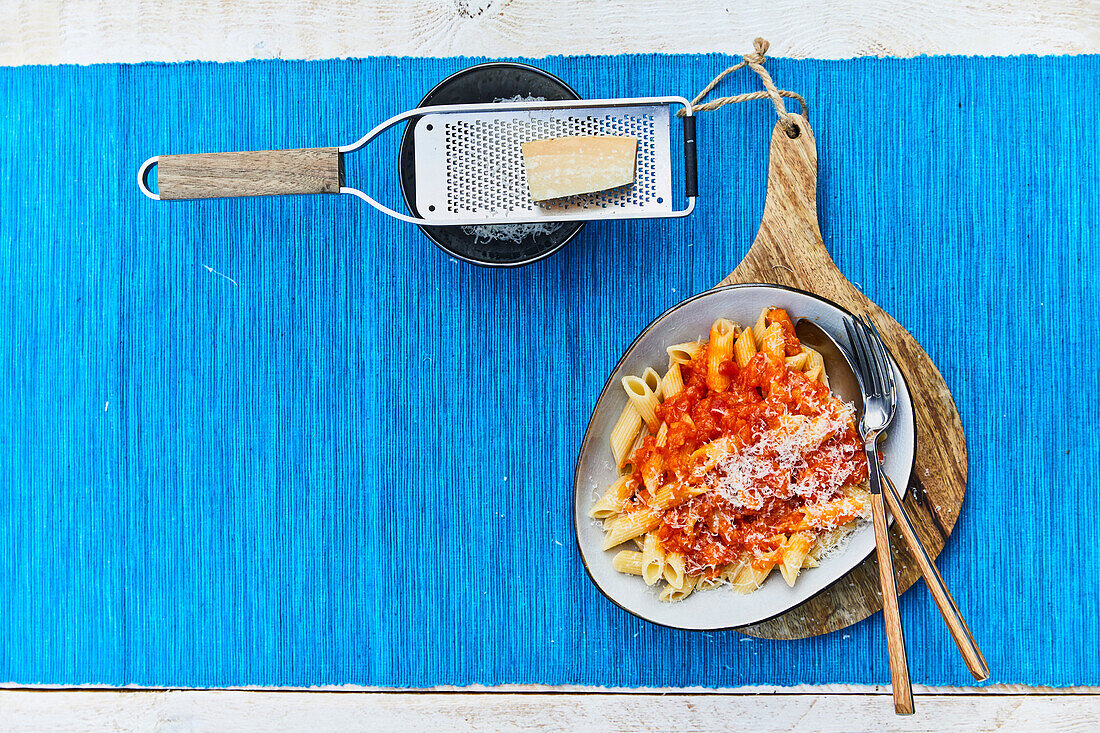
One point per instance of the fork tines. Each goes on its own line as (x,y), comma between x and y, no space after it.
(871,358)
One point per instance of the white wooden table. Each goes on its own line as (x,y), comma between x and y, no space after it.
(81,31)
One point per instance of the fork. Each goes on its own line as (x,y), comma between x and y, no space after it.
(960,632)
(876,382)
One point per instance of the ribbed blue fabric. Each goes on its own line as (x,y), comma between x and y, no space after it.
(349,460)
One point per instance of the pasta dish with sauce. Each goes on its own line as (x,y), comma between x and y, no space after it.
(737,461)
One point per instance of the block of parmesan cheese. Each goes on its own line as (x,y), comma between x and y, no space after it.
(566,166)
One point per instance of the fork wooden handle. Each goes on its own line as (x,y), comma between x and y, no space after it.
(960,632)
(895,637)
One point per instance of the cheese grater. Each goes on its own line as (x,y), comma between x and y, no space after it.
(468,165)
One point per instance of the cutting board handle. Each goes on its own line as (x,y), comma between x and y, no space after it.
(251,173)
(790,208)
(788,249)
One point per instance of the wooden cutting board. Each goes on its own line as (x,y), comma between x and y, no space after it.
(789,251)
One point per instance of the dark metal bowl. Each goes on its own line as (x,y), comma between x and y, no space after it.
(485,83)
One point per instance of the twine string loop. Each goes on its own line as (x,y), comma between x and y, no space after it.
(754,61)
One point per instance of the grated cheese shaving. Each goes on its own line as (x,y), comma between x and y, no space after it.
(765,468)
(513,233)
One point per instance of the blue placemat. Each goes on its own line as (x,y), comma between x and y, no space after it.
(349,459)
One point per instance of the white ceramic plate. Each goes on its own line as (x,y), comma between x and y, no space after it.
(720,608)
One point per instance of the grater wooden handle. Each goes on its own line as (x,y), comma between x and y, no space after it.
(251,173)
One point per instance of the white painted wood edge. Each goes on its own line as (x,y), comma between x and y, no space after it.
(239,711)
(833,689)
(55,31)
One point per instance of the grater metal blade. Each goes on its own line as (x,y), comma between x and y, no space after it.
(469,167)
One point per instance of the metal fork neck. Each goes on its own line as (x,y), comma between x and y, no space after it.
(868,436)
(874,469)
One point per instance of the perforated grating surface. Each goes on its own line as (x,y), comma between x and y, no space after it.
(471,165)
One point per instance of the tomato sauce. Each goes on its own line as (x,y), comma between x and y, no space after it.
(757,410)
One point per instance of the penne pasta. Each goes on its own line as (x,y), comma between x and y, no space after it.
(816,549)
(662,436)
(623,434)
(706,583)
(628,562)
(730,572)
(780,317)
(773,343)
(685,352)
(671,496)
(829,514)
(653,470)
(813,358)
(613,499)
(673,382)
(815,365)
(744,348)
(761,325)
(827,542)
(674,595)
(653,559)
(638,441)
(674,573)
(793,554)
(631,525)
(708,455)
(751,577)
(798,361)
(644,398)
(720,350)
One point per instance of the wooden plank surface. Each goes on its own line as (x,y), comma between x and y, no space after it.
(55,31)
(163,711)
